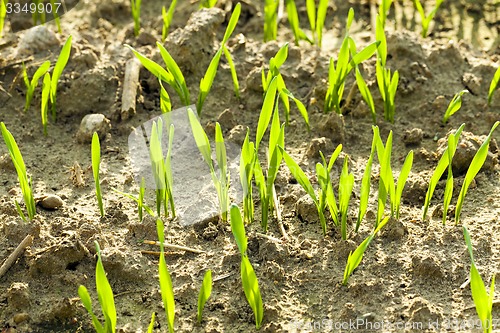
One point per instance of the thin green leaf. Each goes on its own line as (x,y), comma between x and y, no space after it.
(232,67)
(105,294)
(299,175)
(96,161)
(166,288)
(173,68)
(61,62)
(232,23)
(201,138)
(205,291)
(208,80)
(266,112)
(493,85)
(46,93)
(252,291)
(475,166)
(238,229)
(403,176)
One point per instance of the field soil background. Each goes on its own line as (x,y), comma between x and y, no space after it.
(414,271)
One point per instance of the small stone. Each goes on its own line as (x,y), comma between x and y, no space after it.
(18,295)
(237,134)
(318,144)
(51,202)
(93,123)
(306,210)
(472,83)
(226,119)
(413,136)
(333,128)
(145,38)
(440,103)
(36,40)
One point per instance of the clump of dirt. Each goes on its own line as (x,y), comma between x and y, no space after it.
(413,272)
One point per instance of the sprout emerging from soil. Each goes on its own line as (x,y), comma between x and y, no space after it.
(270,20)
(135,7)
(355,257)
(33,83)
(248,277)
(247,162)
(293,19)
(475,166)
(106,299)
(167,17)
(220,178)
(167,291)
(426,20)
(96,161)
(24,181)
(317,19)
(493,85)
(483,301)
(383,9)
(454,106)
(205,291)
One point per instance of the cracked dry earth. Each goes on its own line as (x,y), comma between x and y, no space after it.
(413,273)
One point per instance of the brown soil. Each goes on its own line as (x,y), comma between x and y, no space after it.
(412,273)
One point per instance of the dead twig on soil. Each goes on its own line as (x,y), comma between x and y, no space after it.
(130,85)
(174,247)
(11,259)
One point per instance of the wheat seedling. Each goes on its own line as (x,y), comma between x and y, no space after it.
(167,17)
(161,167)
(207,80)
(167,291)
(61,63)
(248,277)
(44,109)
(355,257)
(293,19)
(366,94)
(474,167)
(135,7)
(426,20)
(24,181)
(31,85)
(96,161)
(317,19)
(454,106)
(337,73)
(106,299)
(482,301)
(247,162)
(346,184)
(270,20)
(383,9)
(220,178)
(493,85)
(151,326)
(205,291)
(365,185)
(443,164)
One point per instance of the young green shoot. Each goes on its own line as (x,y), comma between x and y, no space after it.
(31,85)
(326,196)
(96,161)
(220,178)
(274,157)
(165,103)
(57,19)
(366,94)
(205,291)
(161,167)
(166,289)
(172,75)
(44,109)
(270,20)
(474,167)
(443,164)
(383,9)
(448,191)
(493,85)
(208,79)
(482,301)
(365,185)
(337,73)
(141,206)
(426,20)
(355,257)
(454,106)
(106,299)
(167,17)
(135,7)
(61,63)
(274,74)
(293,19)
(386,179)
(248,277)
(3,14)
(151,326)
(247,162)
(24,180)
(317,19)
(387,82)
(403,176)
(346,184)
(208,3)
